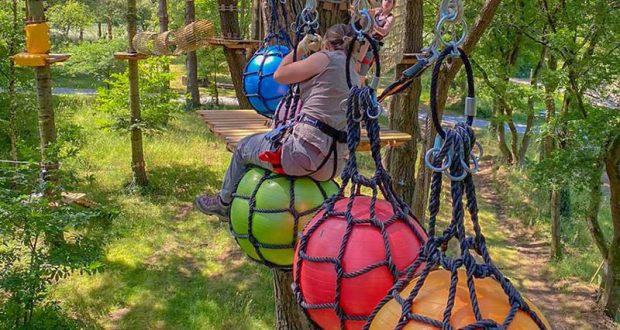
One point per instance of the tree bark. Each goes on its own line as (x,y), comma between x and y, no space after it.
(525,142)
(256,28)
(611,295)
(109,26)
(138,166)
(236,58)
(401,161)
(501,134)
(47,124)
(289,315)
(162,13)
(556,244)
(12,81)
(423,179)
(192,62)
(99,30)
(592,213)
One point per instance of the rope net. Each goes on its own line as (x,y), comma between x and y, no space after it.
(262,91)
(357,246)
(269,210)
(466,293)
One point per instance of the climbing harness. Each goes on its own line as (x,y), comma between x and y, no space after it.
(289,114)
(450,17)
(453,156)
(351,228)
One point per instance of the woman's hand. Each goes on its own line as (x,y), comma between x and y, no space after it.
(310,44)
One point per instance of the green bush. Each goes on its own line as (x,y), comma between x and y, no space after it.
(93,59)
(41,241)
(158,104)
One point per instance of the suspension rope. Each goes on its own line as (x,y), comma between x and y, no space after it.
(454,157)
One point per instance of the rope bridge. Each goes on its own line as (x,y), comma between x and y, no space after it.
(234,125)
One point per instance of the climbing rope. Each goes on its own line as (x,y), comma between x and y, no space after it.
(449,19)
(362,107)
(306,23)
(453,155)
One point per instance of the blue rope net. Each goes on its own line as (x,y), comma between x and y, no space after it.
(259,86)
(454,158)
(361,108)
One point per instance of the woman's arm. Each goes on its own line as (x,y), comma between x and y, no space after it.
(291,72)
(389,22)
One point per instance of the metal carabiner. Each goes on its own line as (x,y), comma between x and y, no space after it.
(429,162)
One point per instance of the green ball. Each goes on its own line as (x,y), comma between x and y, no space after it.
(272,224)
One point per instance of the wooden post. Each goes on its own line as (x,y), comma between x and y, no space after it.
(192,62)
(236,58)
(138,166)
(47,124)
(162,12)
(401,161)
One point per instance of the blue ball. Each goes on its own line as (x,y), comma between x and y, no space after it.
(263,92)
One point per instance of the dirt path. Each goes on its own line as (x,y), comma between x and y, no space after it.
(567,304)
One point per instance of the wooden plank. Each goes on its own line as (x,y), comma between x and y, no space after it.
(234,125)
(130,56)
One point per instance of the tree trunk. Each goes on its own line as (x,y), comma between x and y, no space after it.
(289,315)
(109,26)
(235,58)
(99,31)
(611,296)
(192,62)
(525,142)
(162,13)
(257,28)
(556,244)
(12,80)
(423,180)
(592,213)
(501,132)
(401,161)
(81,34)
(47,124)
(138,166)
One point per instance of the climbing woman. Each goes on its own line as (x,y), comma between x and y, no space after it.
(384,22)
(315,145)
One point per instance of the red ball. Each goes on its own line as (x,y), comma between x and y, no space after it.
(359,294)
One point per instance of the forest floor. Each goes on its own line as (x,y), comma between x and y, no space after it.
(567,304)
(170,267)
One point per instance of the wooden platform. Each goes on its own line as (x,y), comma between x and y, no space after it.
(234,125)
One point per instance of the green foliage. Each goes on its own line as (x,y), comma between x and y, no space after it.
(158,104)
(586,142)
(43,240)
(69,15)
(93,59)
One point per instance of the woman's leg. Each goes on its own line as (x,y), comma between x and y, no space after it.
(246,153)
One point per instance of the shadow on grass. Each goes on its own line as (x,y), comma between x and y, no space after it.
(180,181)
(176,292)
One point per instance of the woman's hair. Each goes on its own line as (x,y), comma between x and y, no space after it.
(339,36)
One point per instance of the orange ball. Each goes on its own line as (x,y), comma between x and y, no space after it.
(432,299)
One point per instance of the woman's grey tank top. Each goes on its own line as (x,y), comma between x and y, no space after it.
(321,98)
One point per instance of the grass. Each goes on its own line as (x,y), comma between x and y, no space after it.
(169,266)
